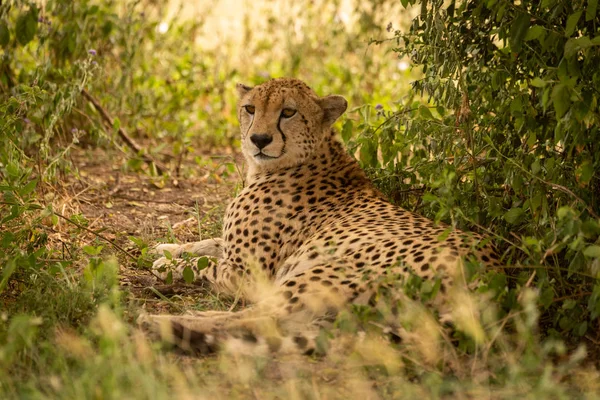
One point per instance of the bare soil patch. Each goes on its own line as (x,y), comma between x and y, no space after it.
(119,203)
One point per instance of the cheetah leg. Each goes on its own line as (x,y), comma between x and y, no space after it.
(219,275)
(177,260)
(208,247)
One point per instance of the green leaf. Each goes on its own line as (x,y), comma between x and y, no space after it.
(516,106)
(347,131)
(27,189)
(561,99)
(6,239)
(498,79)
(590,11)
(425,113)
(202,263)
(538,82)
(514,215)
(546,297)
(574,45)
(534,32)
(91,250)
(7,271)
(564,212)
(572,22)
(169,278)
(569,304)
(592,251)
(590,228)
(585,172)
(116,124)
(188,275)
(80,219)
(4,34)
(545,101)
(500,13)
(581,328)
(444,235)
(535,166)
(518,31)
(26,26)
(137,241)
(368,152)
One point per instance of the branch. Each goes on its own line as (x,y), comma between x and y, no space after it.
(98,235)
(161,169)
(113,243)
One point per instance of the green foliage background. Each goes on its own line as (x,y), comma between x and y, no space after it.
(511,146)
(495,129)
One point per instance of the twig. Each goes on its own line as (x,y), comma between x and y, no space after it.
(180,161)
(125,197)
(171,289)
(161,169)
(162,297)
(547,268)
(112,242)
(572,296)
(397,115)
(417,189)
(115,245)
(117,187)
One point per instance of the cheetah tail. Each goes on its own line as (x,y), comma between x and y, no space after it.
(229,333)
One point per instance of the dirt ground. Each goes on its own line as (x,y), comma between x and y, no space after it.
(119,203)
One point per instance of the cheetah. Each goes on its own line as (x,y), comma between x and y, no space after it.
(309,222)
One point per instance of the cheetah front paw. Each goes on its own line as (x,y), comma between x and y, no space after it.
(207,247)
(167,248)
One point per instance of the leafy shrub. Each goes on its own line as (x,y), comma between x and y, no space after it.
(507,142)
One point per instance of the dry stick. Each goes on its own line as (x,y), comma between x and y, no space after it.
(38,207)
(113,243)
(161,169)
(128,254)
(125,197)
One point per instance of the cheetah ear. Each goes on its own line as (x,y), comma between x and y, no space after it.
(242,89)
(333,107)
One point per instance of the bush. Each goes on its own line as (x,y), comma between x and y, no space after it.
(507,142)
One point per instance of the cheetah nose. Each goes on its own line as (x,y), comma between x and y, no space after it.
(261,140)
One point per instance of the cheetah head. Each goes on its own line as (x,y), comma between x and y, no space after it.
(284,122)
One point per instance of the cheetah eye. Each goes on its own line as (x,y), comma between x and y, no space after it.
(249,109)
(288,112)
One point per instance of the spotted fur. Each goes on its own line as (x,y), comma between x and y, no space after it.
(311,223)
